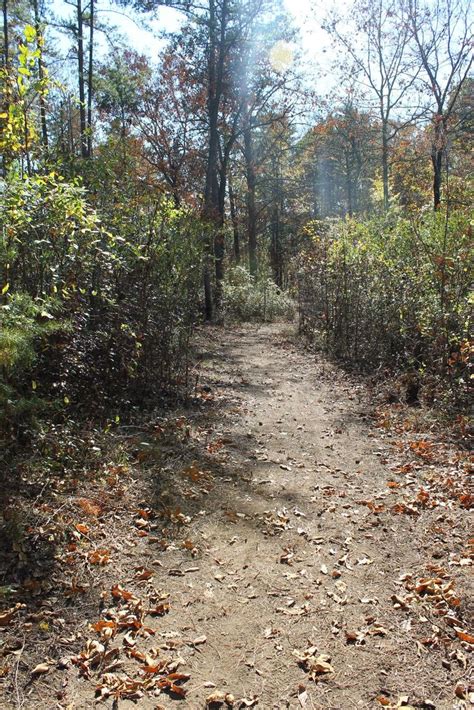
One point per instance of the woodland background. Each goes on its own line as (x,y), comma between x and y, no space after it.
(217,181)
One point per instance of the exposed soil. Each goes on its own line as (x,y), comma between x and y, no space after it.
(311,558)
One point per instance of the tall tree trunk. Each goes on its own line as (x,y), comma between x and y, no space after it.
(26,140)
(350,208)
(41,75)
(210,190)
(235,222)
(211,211)
(438,149)
(276,247)
(219,239)
(437,162)
(275,253)
(5,105)
(80,66)
(70,129)
(90,76)
(251,183)
(6,53)
(385,158)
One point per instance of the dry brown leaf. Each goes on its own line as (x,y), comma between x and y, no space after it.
(143,574)
(89,507)
(105,628)
(463,636)
(119,593)
(302,697)
(315,665)
(286,557)
(129,639)
(40,669)
(218,698)
(100,556)
(247,702)
(355,637)
(271,632)
(81,528)
(154,669)
(6,617)
(321,666)
(460,691)
(159,610)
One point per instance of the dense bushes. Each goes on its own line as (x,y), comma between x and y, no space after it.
(247,297)
(391,291)
(91,316)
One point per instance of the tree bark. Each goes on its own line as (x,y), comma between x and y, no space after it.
(438,156)
(212,211)
(437,161)
(385,160)
(210,190)
(350,209)
(251,183)
(235,223)
(5,64)
(82,95)
(90,76)
(6,53)
(41,75)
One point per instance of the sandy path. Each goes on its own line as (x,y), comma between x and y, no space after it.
(291,557)
(280,538)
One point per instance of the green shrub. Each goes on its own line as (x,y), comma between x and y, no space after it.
(25,327)
(247,297)
(391,291)
(93,316)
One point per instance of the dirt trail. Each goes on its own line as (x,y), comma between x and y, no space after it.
(286,550)
(292,557)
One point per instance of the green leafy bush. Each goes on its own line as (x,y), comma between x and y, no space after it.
(391,291)
(25,327)
(94,316)
(247,297)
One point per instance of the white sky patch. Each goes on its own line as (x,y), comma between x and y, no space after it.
(317,48)
(139,31)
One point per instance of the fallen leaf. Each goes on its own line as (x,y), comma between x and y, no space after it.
(247,702)
(40,669)
(105,628)
(218,698)
(355,637)
(159,610)
(119,593)
(463,636)
(100,556)
(315,665)
(6,617)
(89,507)
(83,529)
(154,669)
(303,698)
